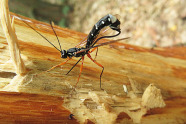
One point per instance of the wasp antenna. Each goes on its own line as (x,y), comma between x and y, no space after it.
(37,32)
(52,24)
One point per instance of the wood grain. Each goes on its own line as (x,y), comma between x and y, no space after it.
(125,64)
(32,108)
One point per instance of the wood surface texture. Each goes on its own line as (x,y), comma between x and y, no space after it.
(41,98)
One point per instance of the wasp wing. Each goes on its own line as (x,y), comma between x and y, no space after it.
(102,44)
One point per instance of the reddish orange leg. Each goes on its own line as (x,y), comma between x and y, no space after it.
(55,66)
(96,53)
(59,65)
(92,50)
(96,48)
(81,68)
(98,65)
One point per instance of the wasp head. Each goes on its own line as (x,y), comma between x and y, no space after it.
(63,54)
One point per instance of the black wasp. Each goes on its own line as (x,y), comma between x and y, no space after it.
(107,21)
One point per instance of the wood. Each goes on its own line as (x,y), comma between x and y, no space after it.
(124,64)
(9,31)
(32,108)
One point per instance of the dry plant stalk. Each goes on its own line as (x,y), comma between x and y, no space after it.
(11,37)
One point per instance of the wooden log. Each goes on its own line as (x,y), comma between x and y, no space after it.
(32,108)
(125,66)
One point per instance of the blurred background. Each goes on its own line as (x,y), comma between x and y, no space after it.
(150,23)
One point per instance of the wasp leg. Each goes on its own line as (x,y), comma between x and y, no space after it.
(54,67)
(96,48)
(58,65)
(92,50)
(81,68)
(98,65)
(96,53)
(73,66)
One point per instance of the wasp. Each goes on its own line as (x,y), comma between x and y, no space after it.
(108,21)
